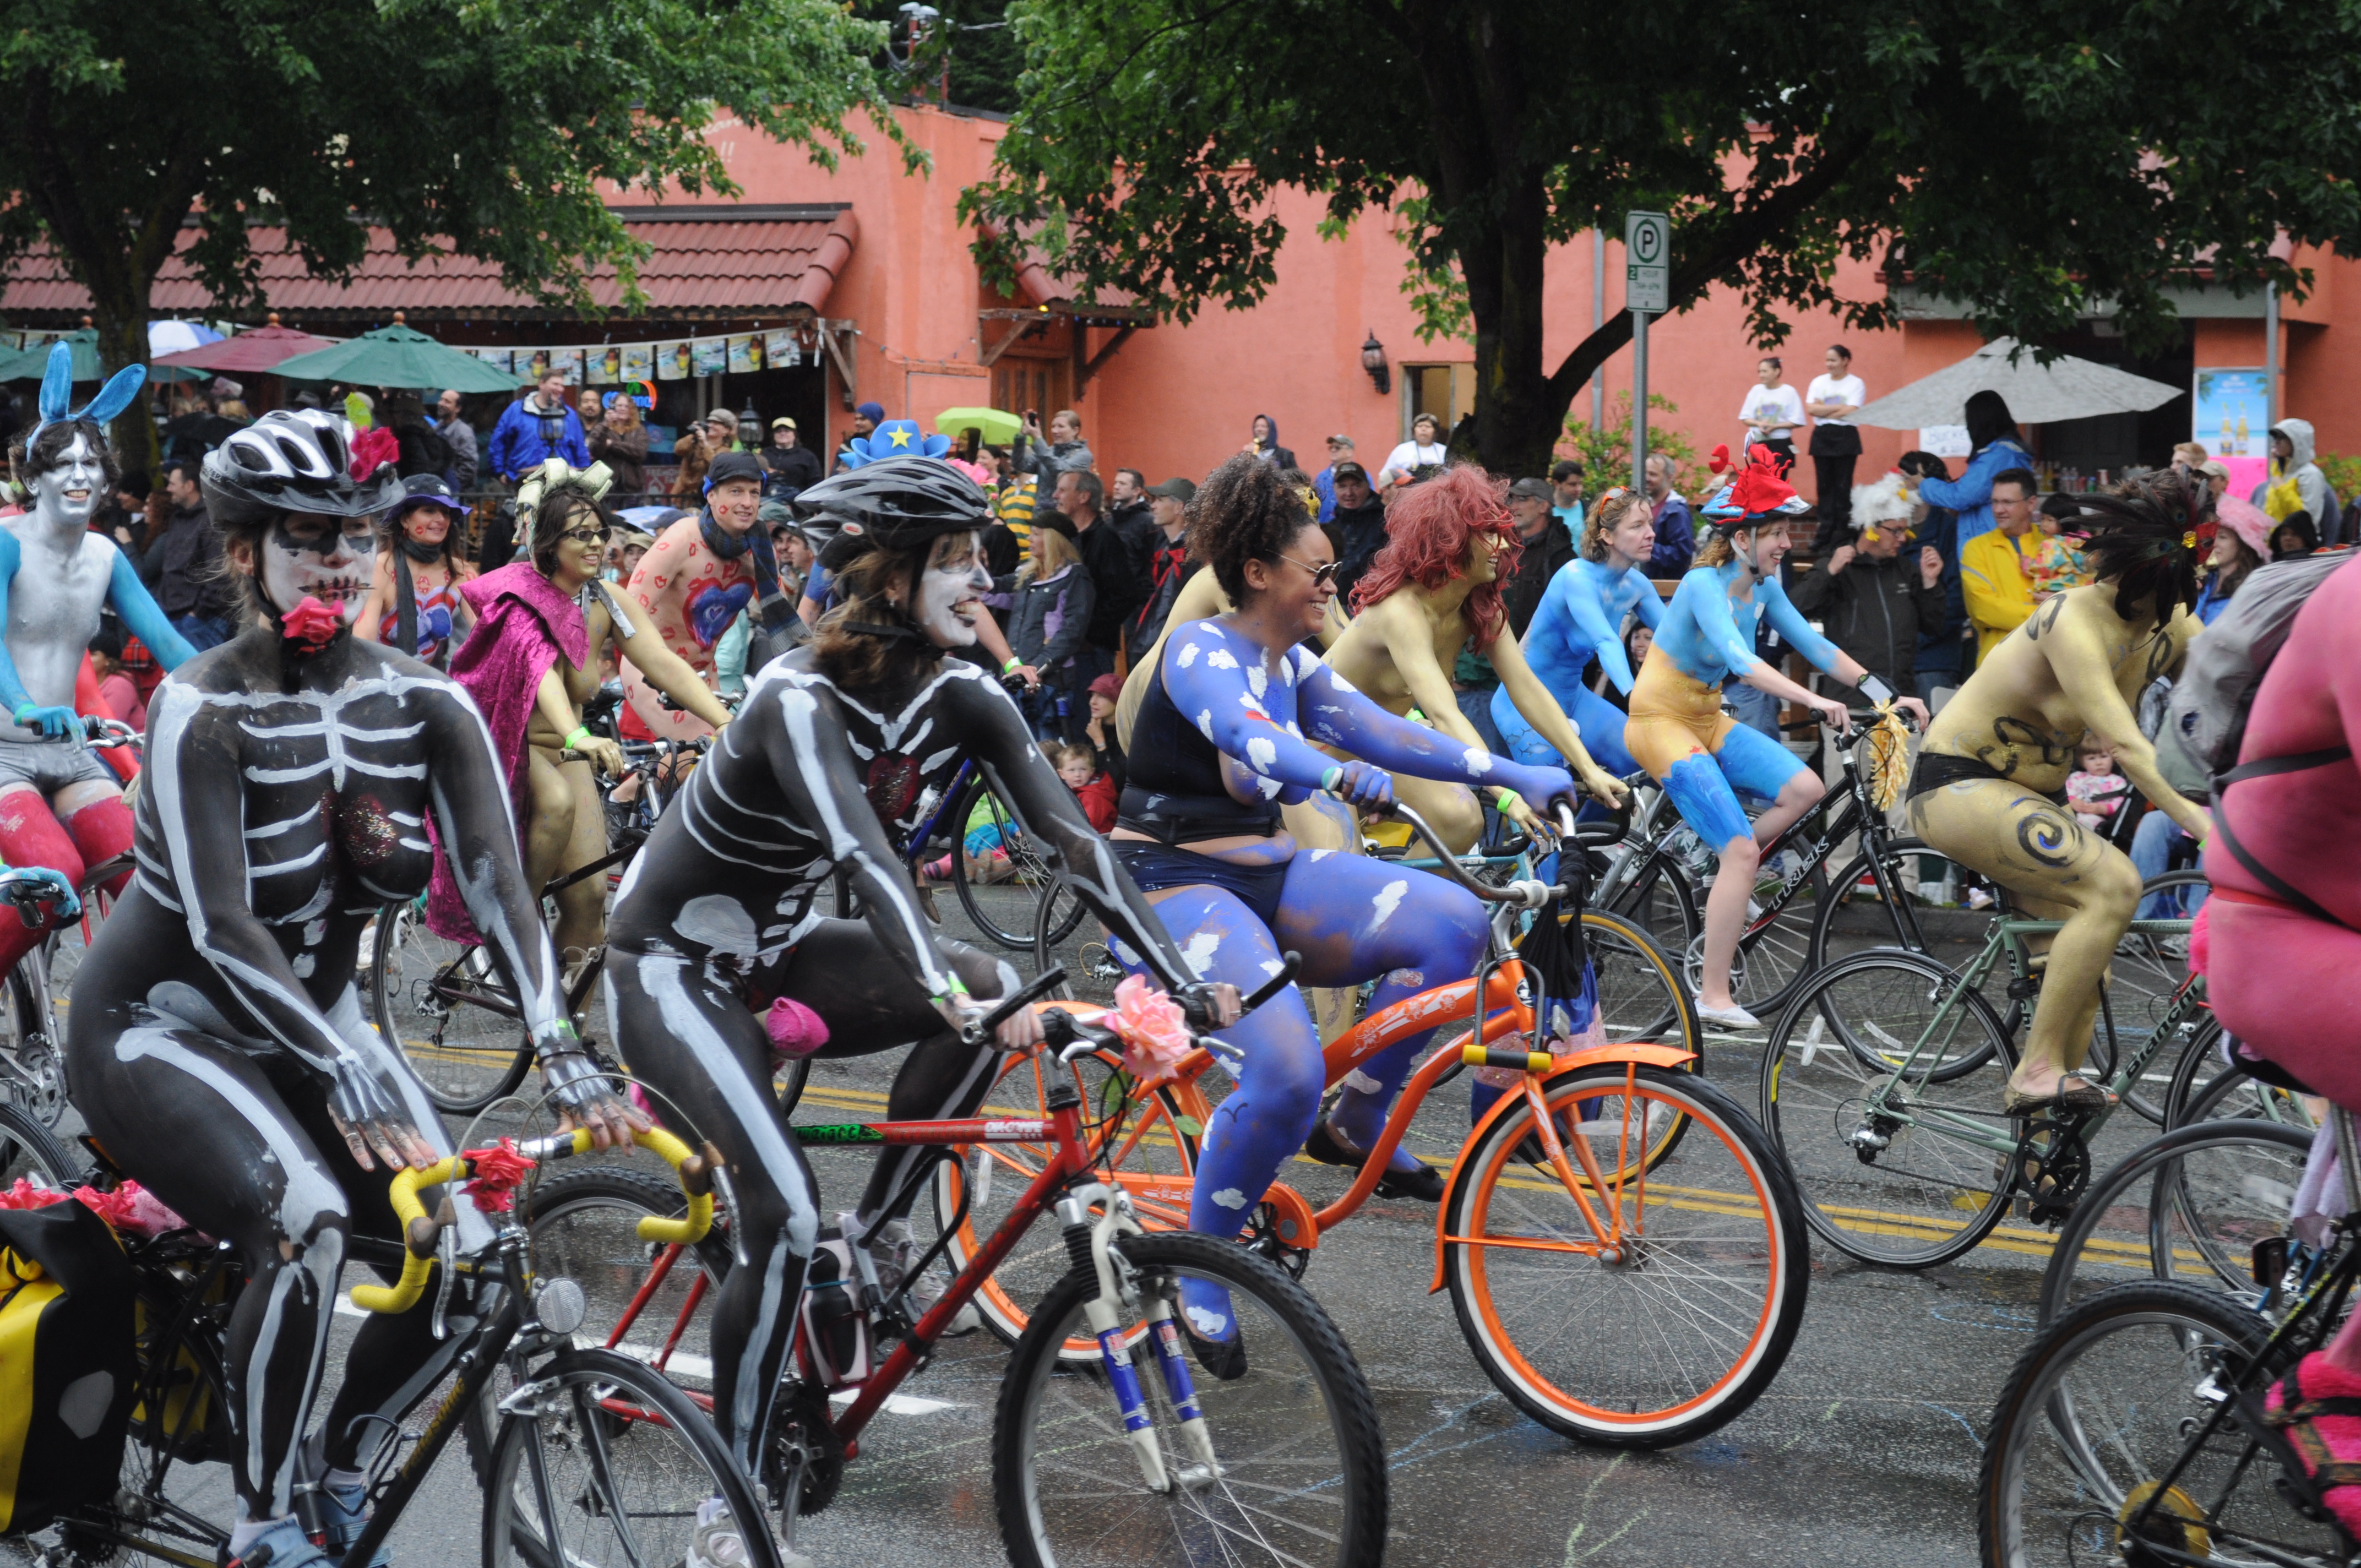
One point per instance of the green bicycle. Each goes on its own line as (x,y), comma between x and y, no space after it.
(1883,1084)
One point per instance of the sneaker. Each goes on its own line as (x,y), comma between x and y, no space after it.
(893,1249)
(717,1542)
(343,1511)
(1730,1017)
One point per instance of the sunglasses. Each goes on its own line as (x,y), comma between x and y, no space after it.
(1321,576)
(586,535)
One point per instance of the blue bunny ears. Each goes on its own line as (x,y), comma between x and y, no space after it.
(56,390)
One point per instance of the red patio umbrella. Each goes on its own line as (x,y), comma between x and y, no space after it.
(248,353)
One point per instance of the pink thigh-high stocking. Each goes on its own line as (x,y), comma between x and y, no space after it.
(32,836)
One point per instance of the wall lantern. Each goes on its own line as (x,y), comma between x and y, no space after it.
(1373,360)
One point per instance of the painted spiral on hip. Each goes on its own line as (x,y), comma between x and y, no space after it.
(2049,836)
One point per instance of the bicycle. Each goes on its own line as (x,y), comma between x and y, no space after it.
(1649,881)
(472,1053)
(2134,1427)
(1283,1463)
(584,1456)
(1882,1087)
(1614,1188)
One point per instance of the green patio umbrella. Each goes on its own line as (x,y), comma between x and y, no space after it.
(396,356)
(28,364)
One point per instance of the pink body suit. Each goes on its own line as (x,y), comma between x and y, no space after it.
(2284,978)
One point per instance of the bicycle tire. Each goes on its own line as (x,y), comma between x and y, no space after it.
(2041,1456)
(1728,1192)
(30,1149)
(1770,963)
(1654,983)
(610,1396)
(1897,858)
(567,1218)
(1660,900)
(2200,1062)
(2106,1197)
(1127,1525)
(461,1080)
(2238,1095)
(998,917)
(1856,1213)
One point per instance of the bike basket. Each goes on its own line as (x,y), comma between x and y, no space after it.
(67,1368)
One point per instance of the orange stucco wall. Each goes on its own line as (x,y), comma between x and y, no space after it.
(1178,399)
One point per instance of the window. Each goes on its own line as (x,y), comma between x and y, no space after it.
(1019,384)
(1446,391)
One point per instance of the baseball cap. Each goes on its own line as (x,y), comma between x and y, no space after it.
(1181,490)
(1340,440)
(430,488)
(783,419)
(732,465)
(1533,489)
(1349,469)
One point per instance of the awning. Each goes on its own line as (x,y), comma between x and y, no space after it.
(710,262)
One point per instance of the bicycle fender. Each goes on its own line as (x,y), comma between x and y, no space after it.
(1638,1052)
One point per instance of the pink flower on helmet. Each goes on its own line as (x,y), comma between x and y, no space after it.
(1155,1032)
(311,626)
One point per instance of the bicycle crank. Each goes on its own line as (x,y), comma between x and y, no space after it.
(2052,1166)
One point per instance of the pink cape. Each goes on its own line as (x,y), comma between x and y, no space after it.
(523,624)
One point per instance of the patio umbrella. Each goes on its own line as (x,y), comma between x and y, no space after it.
(2065,388)
(999,429)
(29,363)
(397,356)
(249,353)
(172,336)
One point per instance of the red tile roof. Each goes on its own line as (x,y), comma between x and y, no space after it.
(717,262)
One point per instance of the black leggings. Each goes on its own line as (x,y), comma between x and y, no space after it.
(684,1026)
(239,1143)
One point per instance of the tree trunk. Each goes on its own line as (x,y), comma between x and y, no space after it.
(1517,424)
(123,340)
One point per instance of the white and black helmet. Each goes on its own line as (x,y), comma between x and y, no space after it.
(292,460)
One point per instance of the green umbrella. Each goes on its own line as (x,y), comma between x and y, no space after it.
(30,364)
(999,429)
(397,356)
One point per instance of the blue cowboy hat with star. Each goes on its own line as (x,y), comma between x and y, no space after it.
(895,438)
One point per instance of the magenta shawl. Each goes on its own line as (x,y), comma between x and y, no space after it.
(523,624)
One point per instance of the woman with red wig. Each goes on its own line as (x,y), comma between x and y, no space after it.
(1435,589)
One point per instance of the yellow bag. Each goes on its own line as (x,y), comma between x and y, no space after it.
(66,1368)
(2282,499)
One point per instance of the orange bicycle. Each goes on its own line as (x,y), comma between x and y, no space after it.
(1623,1246)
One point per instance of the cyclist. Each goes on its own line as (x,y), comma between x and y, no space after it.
(1989,786)
(61,805)
(426,530)
(1581,619)
(217,1046)
(2284,935)
(838,746)
(1224,734)
(531,663)
(1704,759)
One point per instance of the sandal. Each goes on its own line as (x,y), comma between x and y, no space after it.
(2083,1095)
(2317,1408)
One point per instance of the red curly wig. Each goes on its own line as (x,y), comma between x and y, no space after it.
(1427,530)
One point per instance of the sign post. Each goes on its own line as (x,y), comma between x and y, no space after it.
(1647,290)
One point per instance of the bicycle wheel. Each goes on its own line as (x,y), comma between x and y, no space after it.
(999,894)
(1685,1330)
(1641,995)
(2106,1404)
(1894,1164)
(2188,1206)
(466,1055)
(1658,896)
(1056,915)
(1154,1157)
(1302,1475)
(1771,960)
(29,1150)
(609,1463)
(2239,1096)
(583,1225)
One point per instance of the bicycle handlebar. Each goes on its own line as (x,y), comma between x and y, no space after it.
(421,1230)
(1525,894)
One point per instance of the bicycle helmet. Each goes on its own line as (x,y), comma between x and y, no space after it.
(894,503)
(292,460)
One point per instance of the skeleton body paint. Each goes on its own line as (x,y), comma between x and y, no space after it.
(723,911)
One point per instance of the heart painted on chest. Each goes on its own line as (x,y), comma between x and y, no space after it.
(711,609)
(893,785)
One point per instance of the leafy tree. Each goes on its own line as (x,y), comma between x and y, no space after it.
(2027,160)
(1606,451)
(969,45)
(487,122)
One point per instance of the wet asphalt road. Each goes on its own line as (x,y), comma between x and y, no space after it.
(1863,1452)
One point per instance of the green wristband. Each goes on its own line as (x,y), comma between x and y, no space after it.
(575,737)
(953,986)
(1503,798)
(1328,780)
(1014,664)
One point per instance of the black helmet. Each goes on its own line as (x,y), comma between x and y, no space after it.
(899,503)
(292,460)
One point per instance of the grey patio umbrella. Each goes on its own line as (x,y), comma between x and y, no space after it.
(2065,388)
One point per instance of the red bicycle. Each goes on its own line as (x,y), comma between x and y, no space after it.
(1281,1464)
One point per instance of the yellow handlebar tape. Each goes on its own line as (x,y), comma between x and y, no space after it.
(420,1230)
(1515,1061)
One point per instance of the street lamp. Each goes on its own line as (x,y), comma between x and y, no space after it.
(751,422)
(1373,360)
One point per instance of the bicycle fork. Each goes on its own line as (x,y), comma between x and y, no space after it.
(1105,1312)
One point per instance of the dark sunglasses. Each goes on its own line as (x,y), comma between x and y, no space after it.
(1321,576)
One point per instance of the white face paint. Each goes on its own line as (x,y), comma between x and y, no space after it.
(64,495)
(326,558)
(952,590)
